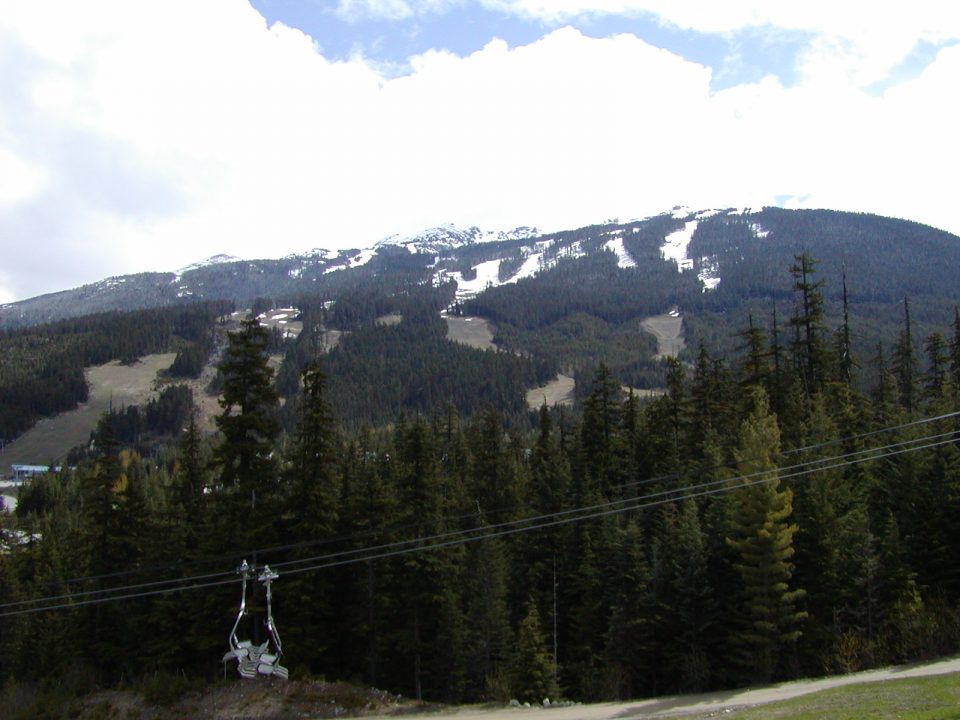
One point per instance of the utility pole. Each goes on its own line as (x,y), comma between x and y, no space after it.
(556,661)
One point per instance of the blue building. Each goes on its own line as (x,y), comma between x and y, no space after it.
(23,473)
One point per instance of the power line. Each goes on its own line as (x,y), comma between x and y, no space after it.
(667,496)
(483,528)
(448,519)
(511,527)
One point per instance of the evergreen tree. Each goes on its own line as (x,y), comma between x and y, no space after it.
(248,481)
(810,347)
(843,351)
(898,597)
(763,538)
(905,361)
(313,492)
(111,523)
(549,487)
(935,380)
(955,355)
(755,366)
(630,654)
(369,509)
(494,483)
(533,672)
(191,474)
(487,617)
(688,608)
(599,431)
(820,501)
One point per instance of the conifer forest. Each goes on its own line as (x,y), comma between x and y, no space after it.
(785,510)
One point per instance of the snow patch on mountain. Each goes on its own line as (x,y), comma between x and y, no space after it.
(437,240)
(709,273)
(531,266)
(110,283)
(314,255)
(703,214)
(487,275)
(353,260)
(212,260)
(624,258)
(539,256)
(675,245)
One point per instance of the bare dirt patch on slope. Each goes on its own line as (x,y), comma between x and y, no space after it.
(120,385)
(556,392)
(668,330)
(473,331)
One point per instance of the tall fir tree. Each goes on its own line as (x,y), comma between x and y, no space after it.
(810,346)
(246,458)
(312,494)
(762,535)
(904,363)
(533,672)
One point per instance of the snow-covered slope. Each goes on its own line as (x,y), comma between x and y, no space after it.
(443,238)
(212,260)
(473,258)
(676,244)
(538,257)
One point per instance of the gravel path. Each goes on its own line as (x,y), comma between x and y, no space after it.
(706,703)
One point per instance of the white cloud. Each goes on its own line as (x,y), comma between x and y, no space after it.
(152,136)
(861,43)
(19,180)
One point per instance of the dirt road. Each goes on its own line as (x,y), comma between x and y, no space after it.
(705,704)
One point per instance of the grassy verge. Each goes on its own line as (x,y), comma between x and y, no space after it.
(929,698)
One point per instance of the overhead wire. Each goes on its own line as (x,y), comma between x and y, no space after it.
(782,473)
(429,538)
(441,540)
(397,528)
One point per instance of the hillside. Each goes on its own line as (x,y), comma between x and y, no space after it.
(111,386)
(713,260)
(560,302)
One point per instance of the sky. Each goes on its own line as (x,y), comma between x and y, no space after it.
(142,135)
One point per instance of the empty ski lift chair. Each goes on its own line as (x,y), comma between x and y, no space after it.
(253,660)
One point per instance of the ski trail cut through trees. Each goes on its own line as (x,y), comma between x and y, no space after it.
(668,330)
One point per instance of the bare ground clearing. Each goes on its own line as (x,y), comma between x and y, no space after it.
(391,319)
(555,392)
(120,385)
(473,331)
(668,330)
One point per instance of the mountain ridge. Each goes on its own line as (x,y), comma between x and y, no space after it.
(711,243)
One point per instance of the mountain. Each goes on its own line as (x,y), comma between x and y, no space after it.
(556,302)
(727,255)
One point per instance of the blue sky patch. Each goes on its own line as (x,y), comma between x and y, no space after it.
(742,57)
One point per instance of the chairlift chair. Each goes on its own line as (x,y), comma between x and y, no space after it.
(253,660)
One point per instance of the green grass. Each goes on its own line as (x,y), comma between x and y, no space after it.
(110,385)
(929,698)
